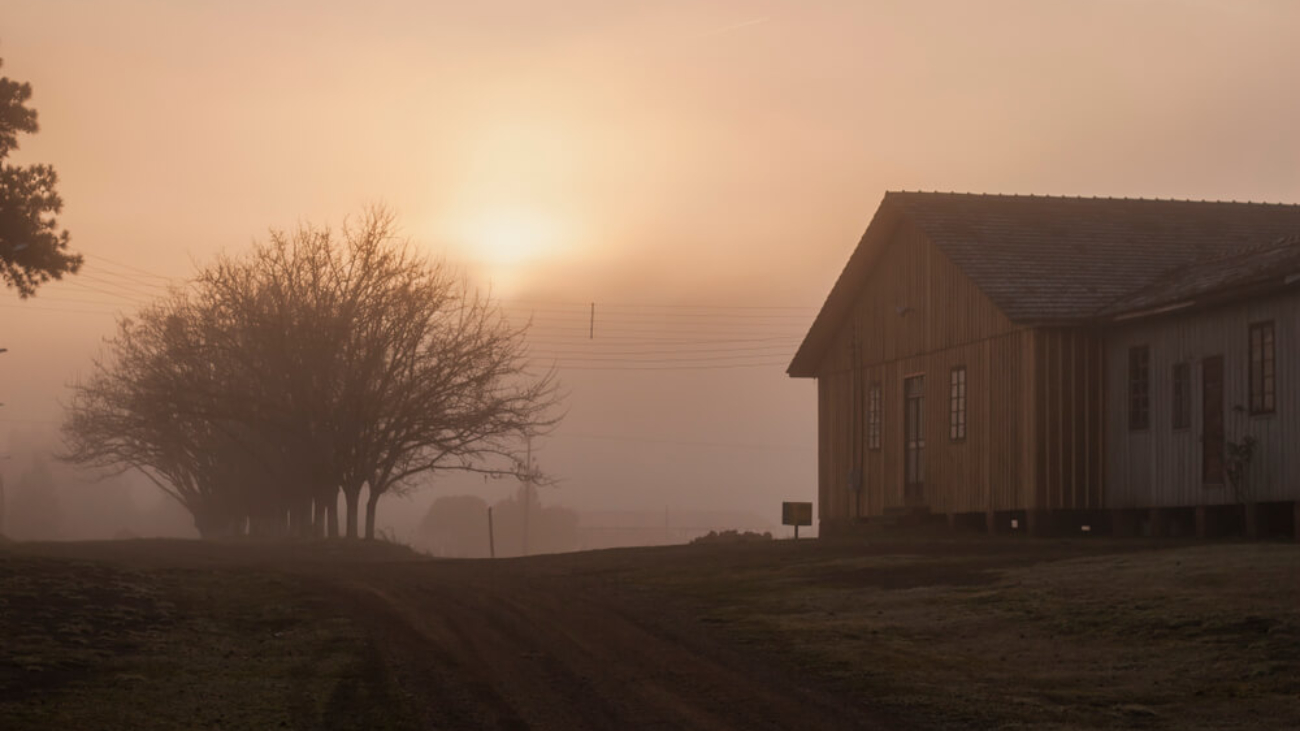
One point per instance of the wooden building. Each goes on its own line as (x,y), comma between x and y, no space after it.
(974,356)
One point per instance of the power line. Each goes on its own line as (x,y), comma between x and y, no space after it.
(716,329)
(79,301)
(123,277)
(625,305)
(674,368)
(772,350)
(683,358)
(54,309)
(138,298)
(132,287)
(129,267)
(640,316)
(683,442)
(615,341)
(667,316)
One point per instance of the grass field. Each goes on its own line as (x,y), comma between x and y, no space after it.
(1028,634)
(933,632)
(91,645)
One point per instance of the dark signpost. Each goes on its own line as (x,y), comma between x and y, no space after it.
(796,514)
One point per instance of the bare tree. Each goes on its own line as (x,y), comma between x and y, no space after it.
(316,363)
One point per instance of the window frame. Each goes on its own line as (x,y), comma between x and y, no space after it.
(1139,388)
(914,437)
(957,421)
(1262,393)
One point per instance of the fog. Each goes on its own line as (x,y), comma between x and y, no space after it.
(697,171)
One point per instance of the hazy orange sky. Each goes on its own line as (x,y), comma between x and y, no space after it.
(657,154)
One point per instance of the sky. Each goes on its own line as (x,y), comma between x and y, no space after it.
(699,170)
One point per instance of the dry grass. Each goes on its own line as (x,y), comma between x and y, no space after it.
(1027,634)
(91,645)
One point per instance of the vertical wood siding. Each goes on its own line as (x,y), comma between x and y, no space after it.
(1161,466)
(919,314)
(1070,472)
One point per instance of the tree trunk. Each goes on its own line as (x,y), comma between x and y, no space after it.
(332,516)
(372,502)
(351,500)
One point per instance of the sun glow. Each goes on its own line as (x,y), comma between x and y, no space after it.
(510,238)
(509,245)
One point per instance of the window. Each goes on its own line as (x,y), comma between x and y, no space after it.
(1182,403)
(873,416)
(957,404)
(1139,387)
(1263,365)
(914,440)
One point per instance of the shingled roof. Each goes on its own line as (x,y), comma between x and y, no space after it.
(1057,260)
(1254,269)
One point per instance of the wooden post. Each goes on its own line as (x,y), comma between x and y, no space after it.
(492,544)
(796,531)
(1202,522)
(991,522)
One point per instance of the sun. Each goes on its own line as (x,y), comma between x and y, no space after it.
(510,238)
(509,245)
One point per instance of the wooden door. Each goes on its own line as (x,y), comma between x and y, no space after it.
(1212,420)
(914,440)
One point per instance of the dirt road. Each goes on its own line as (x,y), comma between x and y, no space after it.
(559,642)
(527,645)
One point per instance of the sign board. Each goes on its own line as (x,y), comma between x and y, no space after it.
(796,514)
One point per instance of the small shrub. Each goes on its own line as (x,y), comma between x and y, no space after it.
(732,536)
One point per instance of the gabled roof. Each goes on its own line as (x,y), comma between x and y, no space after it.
(1054,260)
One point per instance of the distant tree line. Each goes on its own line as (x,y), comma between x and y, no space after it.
(321,362)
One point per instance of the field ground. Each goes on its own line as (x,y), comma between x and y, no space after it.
(892,631)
